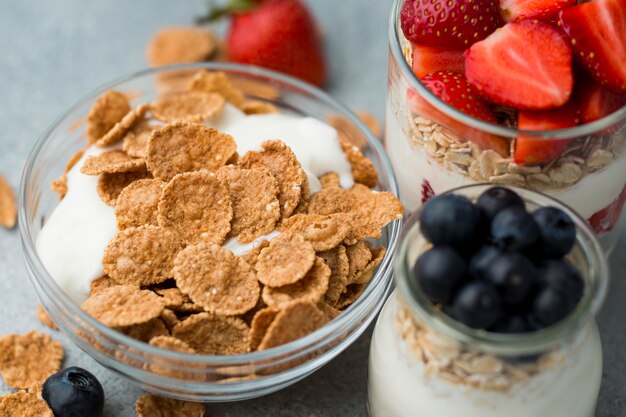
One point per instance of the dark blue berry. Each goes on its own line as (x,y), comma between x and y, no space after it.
(74,392)
(477,305)
(496,199)
(564,277)
(551,306)
(512,324)
(514,229)
(450,220)
(484,257)
(557,232)
(439,272)
(513,275)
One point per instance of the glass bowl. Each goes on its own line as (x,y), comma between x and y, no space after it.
(435,147)
(184,376)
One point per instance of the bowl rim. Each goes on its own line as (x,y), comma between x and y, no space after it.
(57,295)
(397,56)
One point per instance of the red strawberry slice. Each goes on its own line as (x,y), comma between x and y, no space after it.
(449,23)
(453,89)
(427,59)
(596,102)
(534,150)
(517,10)
(597,31)
(427,191)
(606,219)
(525,65)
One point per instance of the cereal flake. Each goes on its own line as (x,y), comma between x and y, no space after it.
(188,106)
(8,206)
(111,162)
(295,321)
(310,288)
(137,204)
(24,404)
(211,334)
(151,406)
(323,231)
(110,185)
(123,305)
(286,260)
(118,131)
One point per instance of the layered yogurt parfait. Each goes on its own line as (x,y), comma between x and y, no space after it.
(497,289)
(513,92)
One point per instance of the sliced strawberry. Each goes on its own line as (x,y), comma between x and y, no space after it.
(427,59)
(533,150)
(525,65)
(427,191)
(452,88)
(597,31)
(449,23)
(596,102)
(606,219)
(517,10)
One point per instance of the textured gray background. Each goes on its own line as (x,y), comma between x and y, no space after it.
(54,52)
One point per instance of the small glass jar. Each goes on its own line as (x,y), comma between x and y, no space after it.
(435,147)
(424,363)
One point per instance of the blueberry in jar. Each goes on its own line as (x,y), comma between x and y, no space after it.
(513,275)
(450,220)
(512,325)
(439,272)
(557,232)
(477,305)
(560,275)
(514,229)
(74,392)
(484,257)
(496,199)
(551,306)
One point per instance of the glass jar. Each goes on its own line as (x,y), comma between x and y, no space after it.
(208,378)
(423,363)
(434,147)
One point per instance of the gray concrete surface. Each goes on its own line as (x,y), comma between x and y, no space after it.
(53,52)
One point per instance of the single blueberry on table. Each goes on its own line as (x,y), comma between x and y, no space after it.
(477,305)
(551,306)
(450,220)
(439,272)
(563,277)
(557,232)
(514,229)
(74,392)
(496,199)
(513,275)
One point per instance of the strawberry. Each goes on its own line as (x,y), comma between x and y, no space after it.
(595,102)
(453,89)
(427,191)
(427,59)
(449,23)
(517,10)
(525,65)
(606,219)
(597,32)
(536,150)
(276,34)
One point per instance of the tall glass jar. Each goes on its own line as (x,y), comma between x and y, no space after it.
(434,147)
(423,363)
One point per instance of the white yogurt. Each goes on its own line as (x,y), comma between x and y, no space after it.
(72,241)
(412,166)
(399,387)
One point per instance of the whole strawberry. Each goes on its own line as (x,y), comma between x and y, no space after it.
(277,34)
(449,23)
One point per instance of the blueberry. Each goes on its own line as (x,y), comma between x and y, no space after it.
(557,232)
(484,257)
(439,272)
(74,392)
(514,229)
(496,199)
(563,277)
(450,220)
(551,306)
(512,324)
(477,305)
(513,275)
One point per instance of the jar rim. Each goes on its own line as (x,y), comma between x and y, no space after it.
(309,343)
(397,55)
(501,343)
